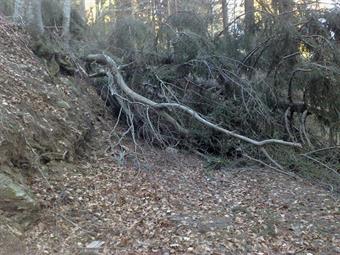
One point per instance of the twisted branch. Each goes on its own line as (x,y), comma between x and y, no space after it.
(114,69)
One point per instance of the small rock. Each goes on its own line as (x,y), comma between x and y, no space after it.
(95,244)
(190,249)
(63,104)
(171,150)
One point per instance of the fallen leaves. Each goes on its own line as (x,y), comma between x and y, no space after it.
(174,209)
(169,207)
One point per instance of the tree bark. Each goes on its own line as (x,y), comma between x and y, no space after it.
(123,8)
(39,21)
(249,9)
(225,18)
(282,6)
(34,16)
(111,10)
(66,20)
(82,9)
(98,8)
(169,11)
(19,11)
(153,15)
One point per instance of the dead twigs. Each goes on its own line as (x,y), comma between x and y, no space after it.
(165,109)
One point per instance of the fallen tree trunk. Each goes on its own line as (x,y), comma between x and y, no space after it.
(161,107)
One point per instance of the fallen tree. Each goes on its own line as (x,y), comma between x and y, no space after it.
(227,101)
(126,97)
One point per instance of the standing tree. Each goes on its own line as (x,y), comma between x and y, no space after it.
(124,8)
(82,9)
(225,18)
(99,6)
(19,11)
(66,20)
(35,16)
(29,12)
(249,21)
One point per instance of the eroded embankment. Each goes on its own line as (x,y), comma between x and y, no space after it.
(42,119)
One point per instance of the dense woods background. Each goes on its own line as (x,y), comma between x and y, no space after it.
(262,69)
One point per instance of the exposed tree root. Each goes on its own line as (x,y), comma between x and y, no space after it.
(288,123)
(303,128)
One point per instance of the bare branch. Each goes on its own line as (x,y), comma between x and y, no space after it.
(106,60)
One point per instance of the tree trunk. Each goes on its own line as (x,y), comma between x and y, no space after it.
(153,15)
(282,6)
(225,18)
(38,16)
(82,9)
(169,11)
(249,23)
(19,11)
(172,7)
(249,17)
(111,10)
(98,3)
(124,9)
(66,20)
(34,16)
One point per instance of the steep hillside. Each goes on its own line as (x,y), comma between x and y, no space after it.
(41,120)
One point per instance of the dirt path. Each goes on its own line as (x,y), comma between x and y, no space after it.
(173,206)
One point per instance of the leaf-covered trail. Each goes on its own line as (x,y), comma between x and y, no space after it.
(172,206)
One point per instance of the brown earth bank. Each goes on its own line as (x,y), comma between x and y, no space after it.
(42,119)
(63,192)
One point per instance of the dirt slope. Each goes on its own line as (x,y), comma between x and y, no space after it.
(41,120)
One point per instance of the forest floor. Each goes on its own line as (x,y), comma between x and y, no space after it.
(170,204)
(166,202)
